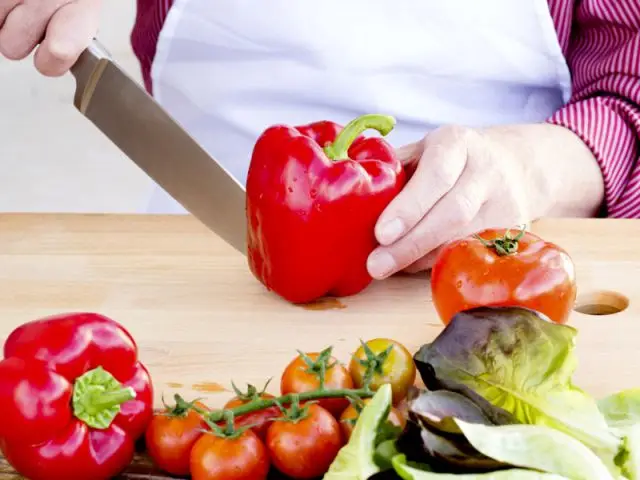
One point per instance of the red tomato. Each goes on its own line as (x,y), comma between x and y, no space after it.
(300,377)
(397,368)
(520,269)
(307,447)
(218,458)
(261,419)
(169,439)
(350,415)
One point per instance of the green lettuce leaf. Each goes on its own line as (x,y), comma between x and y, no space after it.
(356,461)
(621,409)
(629,458)
(411,472)
(538,448)
(622,412)
(516,360)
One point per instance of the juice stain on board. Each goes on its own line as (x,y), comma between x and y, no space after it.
(326,303)
(206,387)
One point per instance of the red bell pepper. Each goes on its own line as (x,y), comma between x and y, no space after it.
(314,194)
(74,398)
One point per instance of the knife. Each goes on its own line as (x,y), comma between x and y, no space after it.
(154,141)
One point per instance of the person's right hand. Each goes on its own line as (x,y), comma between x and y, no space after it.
(61,28)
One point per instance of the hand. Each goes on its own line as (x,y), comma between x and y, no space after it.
(62,28)
(467,180)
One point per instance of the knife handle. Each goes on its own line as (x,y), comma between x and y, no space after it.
(87,70)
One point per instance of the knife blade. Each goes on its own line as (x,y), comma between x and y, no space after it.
(157,144)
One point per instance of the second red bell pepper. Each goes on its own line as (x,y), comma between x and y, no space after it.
(74,398)
(314,194)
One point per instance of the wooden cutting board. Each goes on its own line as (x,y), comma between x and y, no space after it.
(201,319)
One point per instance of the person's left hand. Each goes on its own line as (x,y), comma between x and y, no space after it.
(467,180)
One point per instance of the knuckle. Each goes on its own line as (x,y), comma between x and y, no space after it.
(413,205)
(455,132)
(445,177)
(410,214)
(410,251)
(420,205)
(413,252)
(466,209)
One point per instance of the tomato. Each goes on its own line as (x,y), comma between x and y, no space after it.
(306,447)
(261,419)
(396,367)
(520,269)
(244,457)
(170,437)
(302,375)
(350,415)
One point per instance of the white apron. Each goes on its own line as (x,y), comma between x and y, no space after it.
(228,69)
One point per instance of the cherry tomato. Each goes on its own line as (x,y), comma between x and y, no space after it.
(170,437)
(306,447)
(261,419)
(244,457)
(302,375)
(395,367)
(350,416)
(503,268)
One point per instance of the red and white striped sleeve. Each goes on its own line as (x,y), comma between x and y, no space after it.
(602,47)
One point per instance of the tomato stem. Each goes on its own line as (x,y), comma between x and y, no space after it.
(505,245)
(180,408)
(358,406)
(229,430)
(215,416)
(295,412)
(229,423)
(252,392)
(320,365)
(373,363)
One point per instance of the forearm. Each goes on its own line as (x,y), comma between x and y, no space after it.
(563,178)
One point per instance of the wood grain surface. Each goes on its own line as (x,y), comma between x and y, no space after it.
(201,319)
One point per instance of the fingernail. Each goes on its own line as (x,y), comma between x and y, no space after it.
(380,264)
(390,231)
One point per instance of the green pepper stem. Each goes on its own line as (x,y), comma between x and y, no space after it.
(97,397)
(338,150)
(103,401)
(257,405)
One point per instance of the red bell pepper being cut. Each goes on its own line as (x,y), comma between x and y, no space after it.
(74,398)
(314,194)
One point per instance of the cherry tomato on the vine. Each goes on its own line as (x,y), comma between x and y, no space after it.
(306,447)
(261,419)
(170,436)
(243,457)
(387,362)
(351,414)
(499,267)
(303,375)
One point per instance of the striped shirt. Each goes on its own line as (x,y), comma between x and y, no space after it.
(601,42)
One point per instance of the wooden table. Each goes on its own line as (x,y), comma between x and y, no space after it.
(201,319)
